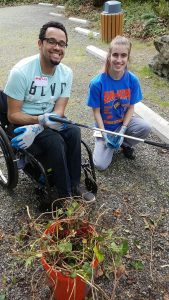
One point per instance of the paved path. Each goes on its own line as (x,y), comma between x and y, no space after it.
(135,187)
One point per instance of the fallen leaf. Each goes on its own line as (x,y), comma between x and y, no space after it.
(126,198)
(120,271)
(1,235)
(129,218)
(127,231)
(144,215)
(164,233)
(163,150)
(117,213)
(166,297)
(99,272)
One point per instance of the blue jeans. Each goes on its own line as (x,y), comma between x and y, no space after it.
(61,152)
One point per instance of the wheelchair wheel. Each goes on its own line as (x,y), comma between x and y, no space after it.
(8,165)
(91,184)
(88,168)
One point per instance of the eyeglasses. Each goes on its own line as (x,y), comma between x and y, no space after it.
(53,42)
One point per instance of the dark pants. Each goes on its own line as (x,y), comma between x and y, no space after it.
(61,152)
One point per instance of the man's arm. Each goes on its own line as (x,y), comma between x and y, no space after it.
(60,106)
(16,116)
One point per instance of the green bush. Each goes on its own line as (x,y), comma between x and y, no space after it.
(162,9)
(98,3)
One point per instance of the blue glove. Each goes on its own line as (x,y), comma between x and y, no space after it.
(44,120)
(114,142)
(26,136)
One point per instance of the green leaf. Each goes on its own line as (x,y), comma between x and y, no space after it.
(73,274)
(65,247)
(118,261)
(75,205)
(4,279)
(70,211)
(59,212)
(38,255)
(137,244)
(87,269)
(29,261)
(2,297)
(99,238)
(99,254)
(14,280)
(124,247)
(114,247)
(138,265)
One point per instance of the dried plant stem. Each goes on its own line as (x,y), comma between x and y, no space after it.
(34,286)
(27,208)
(151,255)
(115,281)
(102,292)
(103,213)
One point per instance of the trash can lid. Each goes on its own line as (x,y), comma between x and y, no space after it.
(112,7)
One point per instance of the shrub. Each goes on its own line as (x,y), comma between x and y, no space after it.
(162,9)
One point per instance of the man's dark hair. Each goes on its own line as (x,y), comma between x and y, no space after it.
(52,24)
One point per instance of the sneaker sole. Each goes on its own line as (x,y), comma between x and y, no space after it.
(88,201)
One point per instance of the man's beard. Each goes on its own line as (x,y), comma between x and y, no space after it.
(54,63)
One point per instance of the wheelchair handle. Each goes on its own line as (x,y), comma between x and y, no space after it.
(62,120)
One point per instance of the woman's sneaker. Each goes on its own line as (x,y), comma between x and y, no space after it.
(87,197)
(128,152)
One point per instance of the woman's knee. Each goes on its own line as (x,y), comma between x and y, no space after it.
(144,129)
(147,128)
(100,164)
(139,128)
(102,156)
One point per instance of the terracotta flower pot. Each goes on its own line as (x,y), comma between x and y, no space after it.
(65,287)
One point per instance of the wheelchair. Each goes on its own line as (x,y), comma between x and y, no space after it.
(11,160)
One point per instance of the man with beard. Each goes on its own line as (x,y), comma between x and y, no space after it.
(37,88)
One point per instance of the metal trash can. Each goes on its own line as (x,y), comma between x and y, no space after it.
(111,21)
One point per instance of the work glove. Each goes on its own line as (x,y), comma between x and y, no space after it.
(114,142)
(26,135)
(44,120)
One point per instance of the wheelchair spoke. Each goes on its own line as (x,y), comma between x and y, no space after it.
(3,177)
(8,167)
(3,168)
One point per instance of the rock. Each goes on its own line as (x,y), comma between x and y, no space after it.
(160,62)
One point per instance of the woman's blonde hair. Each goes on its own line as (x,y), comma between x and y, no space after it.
(118,40)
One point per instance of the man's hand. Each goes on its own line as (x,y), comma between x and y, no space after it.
(114,142)
(44,120)
(26,136)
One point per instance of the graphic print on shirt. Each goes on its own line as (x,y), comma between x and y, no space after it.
(34,87)
(43,96)
(115,105)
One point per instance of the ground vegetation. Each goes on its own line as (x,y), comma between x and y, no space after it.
(142,19)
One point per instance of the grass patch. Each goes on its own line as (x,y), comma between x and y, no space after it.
(156,99)
(145,71)
(159,82)
(140,45)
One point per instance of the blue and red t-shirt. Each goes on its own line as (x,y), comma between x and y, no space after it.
(113,97)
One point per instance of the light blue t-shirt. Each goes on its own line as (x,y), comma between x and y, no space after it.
(38,92)
(113,97)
